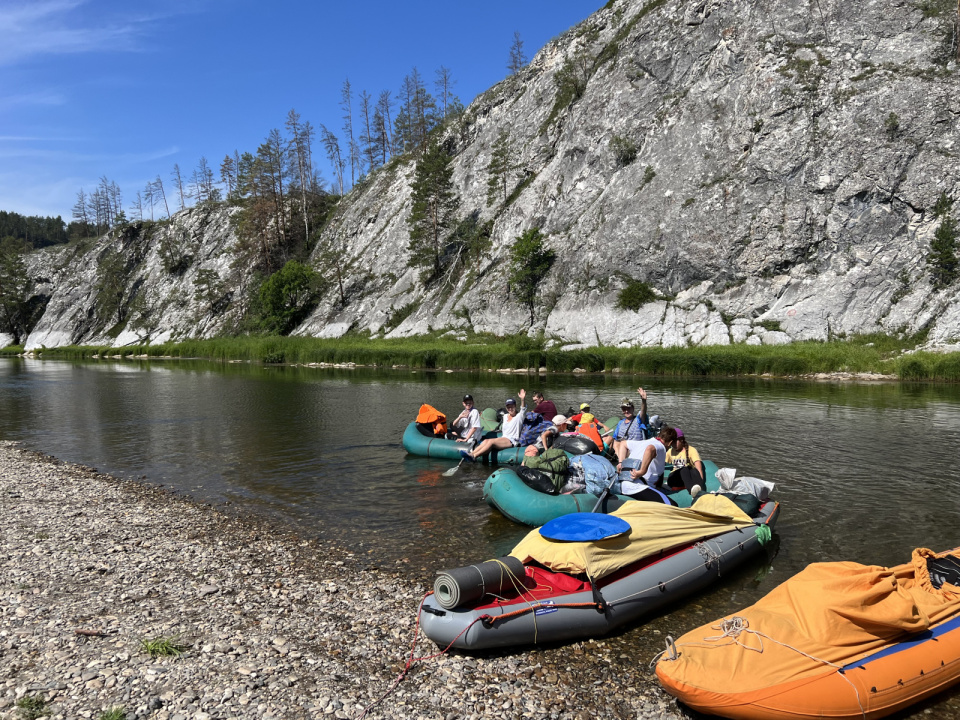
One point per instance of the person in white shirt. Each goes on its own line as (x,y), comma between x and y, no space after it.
(467,428)
(510,426)
(652,455)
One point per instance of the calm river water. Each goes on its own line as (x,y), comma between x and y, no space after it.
(865,472)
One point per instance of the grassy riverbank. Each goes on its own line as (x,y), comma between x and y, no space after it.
(862,354)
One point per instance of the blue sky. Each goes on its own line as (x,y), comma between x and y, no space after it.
(92,88)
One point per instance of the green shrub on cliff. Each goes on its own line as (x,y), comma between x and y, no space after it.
(942,257)
(635,295)
(288,296)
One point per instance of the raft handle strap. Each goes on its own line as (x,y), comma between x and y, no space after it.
(602,606)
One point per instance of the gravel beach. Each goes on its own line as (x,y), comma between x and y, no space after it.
(268,625)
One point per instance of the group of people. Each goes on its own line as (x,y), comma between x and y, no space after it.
(629,441)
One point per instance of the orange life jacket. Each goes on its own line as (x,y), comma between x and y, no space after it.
(429,415)
(592,431)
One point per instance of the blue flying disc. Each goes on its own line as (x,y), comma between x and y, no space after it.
(584,527)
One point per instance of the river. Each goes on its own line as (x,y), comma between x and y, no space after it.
(865,471)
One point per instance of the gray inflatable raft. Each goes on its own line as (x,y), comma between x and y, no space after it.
(579,611)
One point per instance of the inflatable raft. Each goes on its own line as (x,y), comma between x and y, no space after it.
(679,551)
(507,492)
(837,640)
(416,443)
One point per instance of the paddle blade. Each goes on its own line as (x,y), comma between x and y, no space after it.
(584,527)
(452,471)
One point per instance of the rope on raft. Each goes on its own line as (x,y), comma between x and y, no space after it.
(732,628)
(411,661)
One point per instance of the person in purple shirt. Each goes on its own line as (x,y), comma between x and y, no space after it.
(545,408)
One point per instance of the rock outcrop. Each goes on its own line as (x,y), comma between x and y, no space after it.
(769,168)
(157,282)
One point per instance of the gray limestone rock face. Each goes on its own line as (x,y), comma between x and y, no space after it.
(147,281)
(785,164)
(769,183)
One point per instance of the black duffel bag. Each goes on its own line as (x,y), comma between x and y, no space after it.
(576,445)
(537,480)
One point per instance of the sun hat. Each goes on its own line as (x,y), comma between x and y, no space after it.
(559,420)
(626,402)
(584,406)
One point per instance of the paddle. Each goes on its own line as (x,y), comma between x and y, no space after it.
(605,494)
(453,471)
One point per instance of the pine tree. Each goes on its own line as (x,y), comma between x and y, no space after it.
(15,290)
(943,254)
(80,209)
(368,142)
(530,261)
(136,209)
(228,174)
(517,57)
(501,167)
(444,86)
(384,124)
(942,257)
(178,179)
(158,190)
(346,104)
(332,145)
(299,145)
(435,205)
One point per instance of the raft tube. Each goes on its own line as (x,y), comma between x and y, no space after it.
(569,610)
(905,670)
(507,492)
(416,443)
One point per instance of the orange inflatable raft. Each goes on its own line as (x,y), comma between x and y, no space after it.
(837,640)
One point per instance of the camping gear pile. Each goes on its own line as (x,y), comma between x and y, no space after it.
(838,640)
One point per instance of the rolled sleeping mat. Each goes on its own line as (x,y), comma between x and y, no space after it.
(460,586)
(576,445)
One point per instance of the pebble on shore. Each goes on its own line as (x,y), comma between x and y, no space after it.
(268,625)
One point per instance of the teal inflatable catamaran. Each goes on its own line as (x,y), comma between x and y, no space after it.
(507,492)
(416,443)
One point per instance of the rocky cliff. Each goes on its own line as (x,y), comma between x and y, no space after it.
(769,168)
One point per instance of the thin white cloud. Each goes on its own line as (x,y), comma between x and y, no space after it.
(39,153)
(48,98)
(49,27)
(35,138)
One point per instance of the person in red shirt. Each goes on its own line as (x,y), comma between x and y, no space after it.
(545,408)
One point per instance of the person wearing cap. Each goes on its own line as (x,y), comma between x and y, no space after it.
(547,436)
(544,408)
(688,473)
(467,428)
(652,454)
(577,418)
(510,427)
(631,425)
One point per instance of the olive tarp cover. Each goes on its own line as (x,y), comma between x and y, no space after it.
(653,528)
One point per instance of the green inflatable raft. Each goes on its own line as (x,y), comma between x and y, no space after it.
(417,443)
(508,493)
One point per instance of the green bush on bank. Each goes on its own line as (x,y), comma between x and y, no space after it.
(880,354)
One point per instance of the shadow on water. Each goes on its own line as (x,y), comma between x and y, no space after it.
(865,472)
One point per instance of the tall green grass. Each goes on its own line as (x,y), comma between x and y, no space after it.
(875,353)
